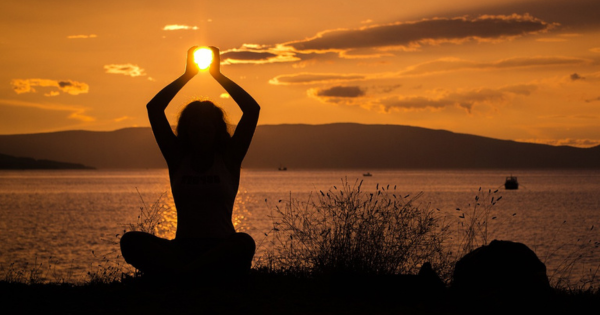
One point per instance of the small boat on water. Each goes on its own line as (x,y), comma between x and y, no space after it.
(282,168)
(367,174)
(511,182)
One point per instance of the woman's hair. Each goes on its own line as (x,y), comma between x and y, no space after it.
(197,114)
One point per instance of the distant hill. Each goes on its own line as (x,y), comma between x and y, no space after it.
(8,162)
(330,146)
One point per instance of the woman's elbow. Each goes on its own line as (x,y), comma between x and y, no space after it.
(153,106)
(253,110)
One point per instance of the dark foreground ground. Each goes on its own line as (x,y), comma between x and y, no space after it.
(273,294)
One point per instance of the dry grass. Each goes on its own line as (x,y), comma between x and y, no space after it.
(351,231)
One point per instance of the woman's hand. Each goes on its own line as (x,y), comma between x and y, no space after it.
(191,68)
(215,66)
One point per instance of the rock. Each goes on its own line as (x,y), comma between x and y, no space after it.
(430,280)
(501,270)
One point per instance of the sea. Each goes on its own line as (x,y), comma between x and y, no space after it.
(65,224)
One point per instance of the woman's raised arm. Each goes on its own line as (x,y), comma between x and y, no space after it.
(250,110)
(163,133)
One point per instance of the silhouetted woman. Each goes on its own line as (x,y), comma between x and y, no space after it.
(204,163)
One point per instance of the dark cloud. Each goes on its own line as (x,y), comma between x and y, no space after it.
(257,54)
(576,76)
(311,78)
(379,40)
(247,55)
(577,15)
(592,100)
(407,34)
(420,103)
(341,91)
(537,61)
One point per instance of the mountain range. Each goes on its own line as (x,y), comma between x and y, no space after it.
(328,146)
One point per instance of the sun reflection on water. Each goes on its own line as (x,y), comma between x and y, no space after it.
(168,219)
(240,212)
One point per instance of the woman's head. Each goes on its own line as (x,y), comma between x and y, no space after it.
(202,125)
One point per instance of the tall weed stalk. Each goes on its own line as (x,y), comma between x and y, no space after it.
(474,222)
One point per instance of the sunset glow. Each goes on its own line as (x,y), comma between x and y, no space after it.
(516,70)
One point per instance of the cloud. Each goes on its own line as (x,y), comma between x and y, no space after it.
(581,143)
(433,100)
(381,40)
(74,112)
(551,40)
(455,64)
(597,99)
(82,36)
(312,78)
(257,54)
(442,65)
(353,95)
(576,76)
(580,116)
(66,86)
(588,78)
(123,118)
(52,93)
(176,27)
(410,35)
(595,50)
(463,98)
(247,56)
(126,69)
(338,91)
(570,35)
(540,61)
(559,38)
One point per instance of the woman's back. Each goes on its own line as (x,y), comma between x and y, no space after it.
(204,198)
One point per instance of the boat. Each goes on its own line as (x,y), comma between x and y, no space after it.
(282,168)
(367,174)
(511,182)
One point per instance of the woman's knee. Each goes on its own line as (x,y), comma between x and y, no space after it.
(128,244)
(245,242)
(135,243)
(129,239)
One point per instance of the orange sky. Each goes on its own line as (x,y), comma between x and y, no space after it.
(520,70)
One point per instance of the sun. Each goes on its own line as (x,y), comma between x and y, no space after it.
(203,57)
